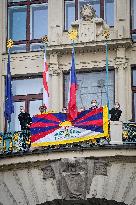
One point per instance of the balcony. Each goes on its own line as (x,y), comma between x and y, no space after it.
(120,135)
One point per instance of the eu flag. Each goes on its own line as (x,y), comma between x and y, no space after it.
(9,108)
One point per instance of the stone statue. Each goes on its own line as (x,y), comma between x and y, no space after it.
(87,12)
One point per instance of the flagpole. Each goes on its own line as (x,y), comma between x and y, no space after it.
(9,45)
(72,107)
(106,36)
(8,62)
(107,77)
(45,41)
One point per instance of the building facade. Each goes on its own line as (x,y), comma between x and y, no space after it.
(26,22)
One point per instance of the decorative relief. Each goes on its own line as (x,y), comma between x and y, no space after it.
(74,176)
(87,12)
(55,70)
(100,168)
(121,63)
(48,172)
(74,179)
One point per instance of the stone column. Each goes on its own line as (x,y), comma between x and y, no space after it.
(121,65)
(56,91)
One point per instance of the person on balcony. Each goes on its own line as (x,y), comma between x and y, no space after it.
(115,112)
(43,109)
(94,104)
(64,110)
(24,119)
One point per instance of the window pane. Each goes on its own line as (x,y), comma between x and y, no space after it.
(109,12)
(133,11)
(15,124)
(34,107)
(95,4)
(134,78)
(18,48)
(135,106)
(27,86)
(92,86)
(17,23)
(69,14)
(39,21)
(36,46)
(134,37)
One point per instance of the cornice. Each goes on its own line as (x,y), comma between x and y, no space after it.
(94,46)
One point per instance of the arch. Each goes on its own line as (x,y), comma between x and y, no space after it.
(92,201)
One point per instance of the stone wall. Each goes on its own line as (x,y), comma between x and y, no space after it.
(70,176)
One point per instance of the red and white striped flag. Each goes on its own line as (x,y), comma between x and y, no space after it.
(45,83)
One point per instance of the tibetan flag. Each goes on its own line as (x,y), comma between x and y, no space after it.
(55,128)
(72,108)
(9,108)
(45,83)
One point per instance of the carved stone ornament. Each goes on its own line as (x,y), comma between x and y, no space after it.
(100,168)
(54,70)
(121,63)
(74,176)
(74,179)
(48,172)
(87,12)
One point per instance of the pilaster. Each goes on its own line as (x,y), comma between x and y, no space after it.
(121,66)
(56,84)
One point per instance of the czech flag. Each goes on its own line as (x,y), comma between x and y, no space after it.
(45,83)
(72,107)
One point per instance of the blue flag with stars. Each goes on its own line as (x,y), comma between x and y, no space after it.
(9,108)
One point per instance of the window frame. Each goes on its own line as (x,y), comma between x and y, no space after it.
(29,97)
(133,88)
(102,2)
(26,3)
(88,71)
(132,31)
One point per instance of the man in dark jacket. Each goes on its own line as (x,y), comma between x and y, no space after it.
(24,118)
(115,112)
